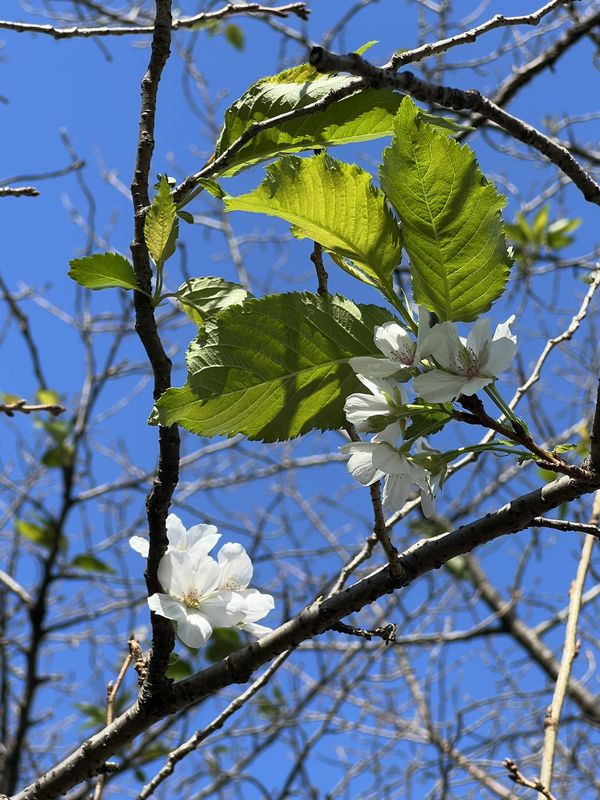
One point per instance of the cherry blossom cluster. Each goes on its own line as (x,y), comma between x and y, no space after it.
(200,593)
(441,366)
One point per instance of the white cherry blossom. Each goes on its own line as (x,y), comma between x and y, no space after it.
(467,365)
(198,540)
(200,594)
(193,599)
(361,408)
(397,347)
(236,571)
(380,458)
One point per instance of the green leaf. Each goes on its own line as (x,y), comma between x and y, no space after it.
(161,225)
(446,124)
(179,669)
(428,422)
(38,534)
(235,36)
(365,115)
(90,563)
(59,456)
(335,204)
(47,397)
(212,187)
(274,368)
(201,298)
(186,217)
(103,271)
(450,216)
(57,429)
(224,641)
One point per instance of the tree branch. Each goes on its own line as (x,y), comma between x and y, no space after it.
(299,9)
(469,37)
(458,100)
(418,560)
(167,476)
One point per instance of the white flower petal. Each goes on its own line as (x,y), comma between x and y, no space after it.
(390,461)
(235,567)
(200,539)
(500,354)
(223,609)
(395,343)
(195,629)
(255,630)
(174,574)
(175,531)
(360,465)
(423,331)
(437,386)
(479,336)
(444,344)
(206,573)
(390,434)
(166,606)
(359,408)
(427,502)
(475,384)
(503,330)
(396,490)
(258,604)
(140,545)
(375,367)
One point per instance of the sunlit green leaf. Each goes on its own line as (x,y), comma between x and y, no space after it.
(450,216)
(337,205)
(47,397)
(59,456)
(235,36)
(103,271)
(161,225)
(91,563)
(365,115)
(201,298)
(38,534)
(274,368)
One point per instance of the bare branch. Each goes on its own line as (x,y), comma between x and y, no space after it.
(515,774)
(569,653)
(299,9)
(18,191)
(418,560)
(468,37)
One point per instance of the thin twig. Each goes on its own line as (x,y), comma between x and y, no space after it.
(175,756)
(569,653)
(111,694)
(299,9)
(468,37)
(19,191)
(317,258)
(385,632)
(566,525)
(16,588)
(24,407)
(515,774)
(566,335)
(379,527)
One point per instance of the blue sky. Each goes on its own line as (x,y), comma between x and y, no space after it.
(92,92)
